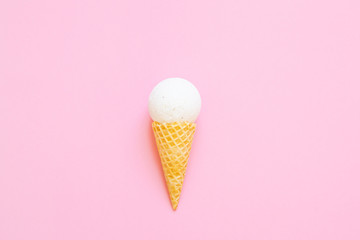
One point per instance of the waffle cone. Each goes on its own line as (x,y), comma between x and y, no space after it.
(174,141)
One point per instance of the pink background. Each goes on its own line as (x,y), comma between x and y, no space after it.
(277,149)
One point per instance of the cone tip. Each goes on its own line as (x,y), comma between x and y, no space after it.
(174,206)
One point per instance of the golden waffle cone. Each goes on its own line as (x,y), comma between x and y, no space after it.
(174,141)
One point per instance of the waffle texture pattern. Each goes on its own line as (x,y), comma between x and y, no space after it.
(174,141)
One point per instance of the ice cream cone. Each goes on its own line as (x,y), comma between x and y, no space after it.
(174,141)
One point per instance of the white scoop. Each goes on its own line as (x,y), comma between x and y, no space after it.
(174,100)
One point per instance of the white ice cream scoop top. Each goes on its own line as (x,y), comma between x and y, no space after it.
(174,100)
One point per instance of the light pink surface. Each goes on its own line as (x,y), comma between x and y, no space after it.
(277,149)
